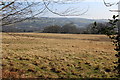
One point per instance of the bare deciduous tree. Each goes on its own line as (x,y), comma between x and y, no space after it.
(17,11)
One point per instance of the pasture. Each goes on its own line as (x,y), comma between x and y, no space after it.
(47,55)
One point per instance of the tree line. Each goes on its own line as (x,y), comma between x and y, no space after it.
(69,28)
(101,28)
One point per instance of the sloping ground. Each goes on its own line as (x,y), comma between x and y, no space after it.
(41,55)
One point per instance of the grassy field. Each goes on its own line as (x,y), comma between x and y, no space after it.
(42,55)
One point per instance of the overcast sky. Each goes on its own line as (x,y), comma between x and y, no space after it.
(96,9)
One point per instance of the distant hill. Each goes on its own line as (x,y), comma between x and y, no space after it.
(37,24)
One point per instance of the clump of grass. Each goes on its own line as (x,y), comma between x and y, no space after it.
(41,55)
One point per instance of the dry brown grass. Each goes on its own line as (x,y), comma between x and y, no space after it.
(57,55)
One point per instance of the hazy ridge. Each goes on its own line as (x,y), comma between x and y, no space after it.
(39,23)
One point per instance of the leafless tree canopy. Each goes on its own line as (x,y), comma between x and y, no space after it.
(107,4)
(16,11)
